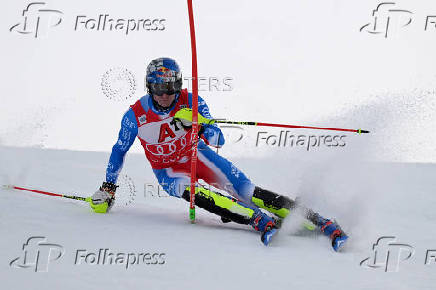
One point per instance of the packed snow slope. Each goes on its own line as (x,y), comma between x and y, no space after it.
(370,200)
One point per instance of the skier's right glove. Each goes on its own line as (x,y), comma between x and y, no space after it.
(104,198)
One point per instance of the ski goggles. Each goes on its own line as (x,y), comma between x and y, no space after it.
(165,88)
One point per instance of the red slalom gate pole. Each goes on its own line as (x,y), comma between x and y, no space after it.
(194,133)
(87,199)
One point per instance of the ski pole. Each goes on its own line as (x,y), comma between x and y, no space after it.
(186,113)
(87,199)
(360,131)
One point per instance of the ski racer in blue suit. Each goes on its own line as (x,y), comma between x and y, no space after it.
(162,121)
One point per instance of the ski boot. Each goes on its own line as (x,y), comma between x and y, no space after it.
(329,228)
(267,235)
(265,224)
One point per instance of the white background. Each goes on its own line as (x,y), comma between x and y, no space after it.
(291,62)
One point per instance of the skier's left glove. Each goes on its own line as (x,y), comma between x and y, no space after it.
(104,198)
(209,132)
(184,116)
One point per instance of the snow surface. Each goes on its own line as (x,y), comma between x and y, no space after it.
(369,199)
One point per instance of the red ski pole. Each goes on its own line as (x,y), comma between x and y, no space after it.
(87,199)
(360,131)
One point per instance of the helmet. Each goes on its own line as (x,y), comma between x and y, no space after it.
(163,76)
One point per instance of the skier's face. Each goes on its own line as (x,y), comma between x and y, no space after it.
(164,100)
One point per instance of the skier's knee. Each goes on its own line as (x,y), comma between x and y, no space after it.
(273,202)
(186,195)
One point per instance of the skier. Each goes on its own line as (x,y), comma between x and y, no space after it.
(162,121)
